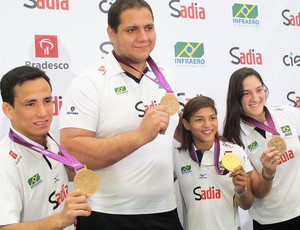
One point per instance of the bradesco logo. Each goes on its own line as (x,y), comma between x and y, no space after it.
(46,46)
(186,10)
(47,4)
(189,53)
(245,15)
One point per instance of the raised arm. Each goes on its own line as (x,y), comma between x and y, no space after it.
(97,153)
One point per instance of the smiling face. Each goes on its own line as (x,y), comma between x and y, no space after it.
(32,112)
(203,126)
(254,97)
(135,37)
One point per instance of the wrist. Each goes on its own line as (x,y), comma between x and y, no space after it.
(242,193)
(267,178)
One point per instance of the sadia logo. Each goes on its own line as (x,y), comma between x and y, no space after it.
(46,46)
(291,60)
(57,103)
(189,53)
(192,10)
(48,4)
(245,15)
(249,57)
(290,19)
(295,99)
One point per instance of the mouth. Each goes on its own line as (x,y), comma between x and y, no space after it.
(40,122)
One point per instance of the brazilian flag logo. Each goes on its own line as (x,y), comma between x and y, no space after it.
(189,49)
(185,169)
(244,11)
(34,179)
(120,89)
(253,145)
(286,129)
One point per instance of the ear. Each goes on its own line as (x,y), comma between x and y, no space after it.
(7,110)
(111,34)
(186,124)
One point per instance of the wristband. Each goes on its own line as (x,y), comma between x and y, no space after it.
(264,176)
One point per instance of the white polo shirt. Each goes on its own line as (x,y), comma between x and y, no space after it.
(208,196)
(30,190)
(283,201)
(108,102)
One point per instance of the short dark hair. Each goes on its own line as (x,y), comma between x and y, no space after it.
(119,6)
(18,76)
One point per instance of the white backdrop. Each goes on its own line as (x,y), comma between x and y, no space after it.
(203,42)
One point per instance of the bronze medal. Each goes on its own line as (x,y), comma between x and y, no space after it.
(171,102)
(279,143)
(230,161)
(86,181)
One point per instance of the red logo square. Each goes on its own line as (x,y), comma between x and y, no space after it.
(46,46)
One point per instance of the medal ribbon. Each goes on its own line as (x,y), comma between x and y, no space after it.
(66,158)
(160,77)
(194,157)
(270,127)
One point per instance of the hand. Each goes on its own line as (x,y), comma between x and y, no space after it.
(270,159)
(155,121)
(239,179)
(75,205)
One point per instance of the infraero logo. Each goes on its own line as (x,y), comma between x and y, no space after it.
(46,46)
(245,15)
(189,53)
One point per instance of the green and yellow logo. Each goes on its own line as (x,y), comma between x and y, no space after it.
(120,90)
(253,145)
(186,169)
(286,129)
(244,11)
(189,49)
(34,180)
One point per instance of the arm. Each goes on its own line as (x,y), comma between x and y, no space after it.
(75,205)
(262,181)
(102,152)
(242,187)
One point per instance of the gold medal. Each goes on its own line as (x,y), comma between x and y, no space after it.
(86,181)
(279,143)
(171,102)
(230,161)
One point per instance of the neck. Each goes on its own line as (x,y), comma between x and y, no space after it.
(203,146)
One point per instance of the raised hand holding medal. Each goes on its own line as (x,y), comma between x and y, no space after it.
(278,143)
(230,161)
(171,102)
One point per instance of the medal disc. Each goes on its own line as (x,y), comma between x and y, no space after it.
(86,181)
(230,161)
(171,102)
(279,143)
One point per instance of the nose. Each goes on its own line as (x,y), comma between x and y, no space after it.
(142,35)
(254,96)
(42,110)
